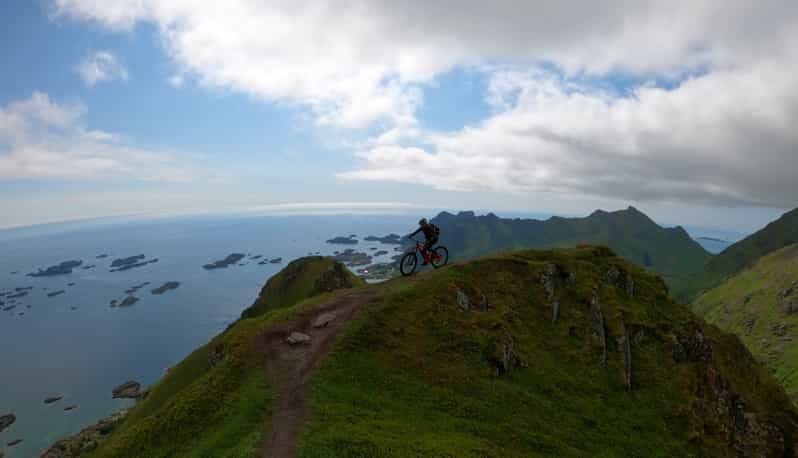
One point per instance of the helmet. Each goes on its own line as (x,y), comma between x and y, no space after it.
(422,221)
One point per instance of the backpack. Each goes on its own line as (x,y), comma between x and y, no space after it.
(435,230)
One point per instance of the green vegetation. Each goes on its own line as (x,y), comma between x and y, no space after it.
(559,353)
(301,279)
(743,254)
(416,376)
(630,233)
(760,305)
(216,402)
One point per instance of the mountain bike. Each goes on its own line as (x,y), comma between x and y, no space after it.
(437,256)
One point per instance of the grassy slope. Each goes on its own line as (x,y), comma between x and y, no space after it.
(727,306)
(670,252)
(412,376)
(202,410)
(743,254)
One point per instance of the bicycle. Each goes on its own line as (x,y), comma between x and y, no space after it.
(437,256)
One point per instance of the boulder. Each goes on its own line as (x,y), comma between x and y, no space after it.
(129,390)
(324,319)
(462,300)
(298,338)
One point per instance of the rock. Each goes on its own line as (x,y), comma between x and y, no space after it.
(14,442)
(128,301)
(626,351)
(166,287)
(505,359)
(694,347)
(599,328)
(56,293)
(129,390)
(324,319)
(391,239)
(86,440)
(6,421)
(547,280)
(52,399)
(71,284)
(275,261)
(462,300)
(483,305)
(298,338)
(70,407)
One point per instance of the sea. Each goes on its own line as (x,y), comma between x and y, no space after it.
(77,346)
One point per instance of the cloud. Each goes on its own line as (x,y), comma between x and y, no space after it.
(101,66)
(40,138)
(727,138)
(707,115)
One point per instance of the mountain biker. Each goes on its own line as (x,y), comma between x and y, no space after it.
(431,234)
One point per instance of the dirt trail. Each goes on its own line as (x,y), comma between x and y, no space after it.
(288,366)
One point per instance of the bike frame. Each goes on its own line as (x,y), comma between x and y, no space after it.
(427,254)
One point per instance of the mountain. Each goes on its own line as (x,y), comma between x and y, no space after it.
(630,233)
(760,304)
(561,352)
(746,252)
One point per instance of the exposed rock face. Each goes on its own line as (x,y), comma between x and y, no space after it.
(129,390)
(505,359)
(620,278)
(693,347)
(626,351)
(462,300)
(547,280)
(6,421)
(86,440)
(324,319)
(599,328)
(297,338)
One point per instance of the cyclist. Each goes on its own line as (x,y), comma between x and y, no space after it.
(431,234)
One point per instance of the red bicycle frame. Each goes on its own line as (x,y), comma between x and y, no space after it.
(428,255)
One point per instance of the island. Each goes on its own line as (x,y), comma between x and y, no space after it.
(120,264)
(52,399)
(343,240)
(166,287)
(351,257)
(14,442)
(378,272)
(276,260)
(102,256)
(257,256)
(89,266)
(60,269)
(17,295)
(70,407)
(56,293)
(392,239)
(135,288)
(128,301)
(231,259)
(6,421)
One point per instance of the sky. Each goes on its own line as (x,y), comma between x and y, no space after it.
(684,109)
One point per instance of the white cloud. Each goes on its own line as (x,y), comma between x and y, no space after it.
(726,137)
(101,66)
(176,81)
(723,136)
(40,138)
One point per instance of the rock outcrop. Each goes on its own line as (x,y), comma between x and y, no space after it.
(130,390)
(86,440)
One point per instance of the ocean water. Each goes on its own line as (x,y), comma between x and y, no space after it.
(82,354)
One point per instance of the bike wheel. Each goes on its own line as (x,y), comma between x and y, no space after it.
(408,264)
(441,257)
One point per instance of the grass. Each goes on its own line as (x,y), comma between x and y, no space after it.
(752,297)
(413,376)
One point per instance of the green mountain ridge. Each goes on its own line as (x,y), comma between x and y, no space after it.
(671,252)
(745,253)
(760,305)
(559,352)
